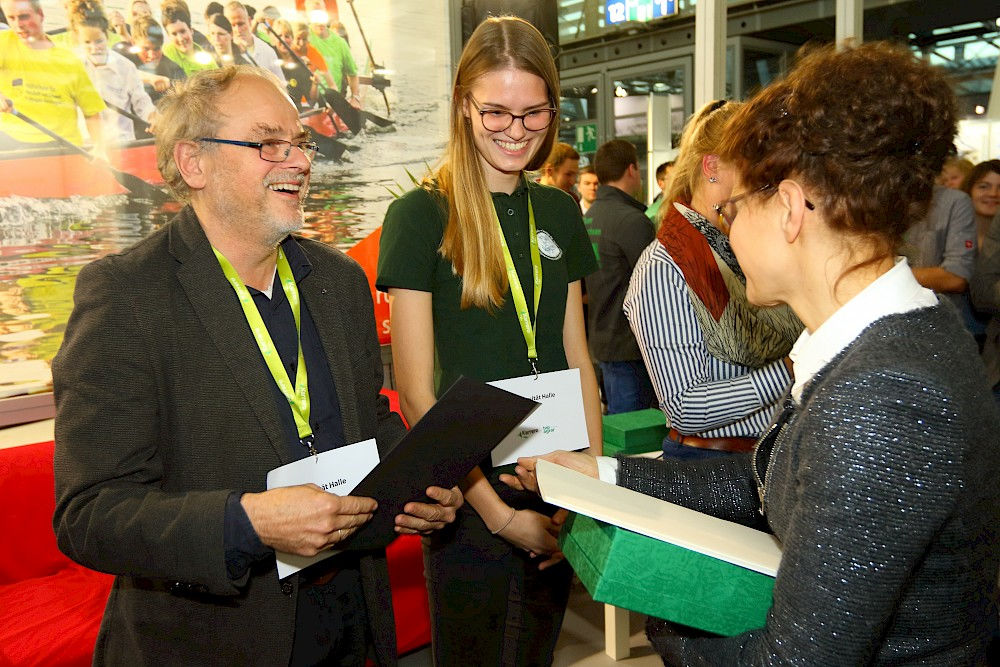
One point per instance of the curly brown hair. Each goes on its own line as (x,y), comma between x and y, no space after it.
(864,129)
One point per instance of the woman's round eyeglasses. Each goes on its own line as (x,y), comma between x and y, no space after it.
(498,120)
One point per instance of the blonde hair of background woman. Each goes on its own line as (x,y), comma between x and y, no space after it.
(702,136)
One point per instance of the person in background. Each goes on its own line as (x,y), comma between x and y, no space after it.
(220,33)
(587,187)
(302,86)
(266,15)
(65,37)
(327,12)
(954,171)
(212,8)
(941,248)
(256,50)
(116,78)
(985,293)
(305,84)
(126,47)
(337,55)
(118,25)
(169,419)
(497,587)
(717,361)
(663,181)
(317,64)
(561,168)
(620,231)
(181,47)
(199,42)
(982,184)
(158,72)
(879,476)
(52,87)
(138,9)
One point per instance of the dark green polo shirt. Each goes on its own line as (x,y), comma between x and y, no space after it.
(475,342)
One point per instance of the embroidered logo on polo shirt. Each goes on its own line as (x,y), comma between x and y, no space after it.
(547,245)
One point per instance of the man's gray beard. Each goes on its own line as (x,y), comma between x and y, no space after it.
(282,232)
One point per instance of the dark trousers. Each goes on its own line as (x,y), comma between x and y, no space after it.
(627,386)
(331,623)
(490,604)
(675,450)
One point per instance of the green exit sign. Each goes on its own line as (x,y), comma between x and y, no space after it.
(586,138)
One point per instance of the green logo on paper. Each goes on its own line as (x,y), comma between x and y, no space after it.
(526,433)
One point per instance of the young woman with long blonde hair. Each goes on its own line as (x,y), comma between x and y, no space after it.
(497,587)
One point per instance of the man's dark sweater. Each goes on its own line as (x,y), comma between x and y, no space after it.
(621,231)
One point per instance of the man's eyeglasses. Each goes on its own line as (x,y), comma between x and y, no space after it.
(496,120)
(728,209)
(272,150)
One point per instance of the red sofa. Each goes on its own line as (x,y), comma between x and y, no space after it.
(50,607)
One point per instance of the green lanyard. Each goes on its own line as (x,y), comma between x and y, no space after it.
(298,398)
(516,291)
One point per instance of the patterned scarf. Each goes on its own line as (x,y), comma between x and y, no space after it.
(734,330)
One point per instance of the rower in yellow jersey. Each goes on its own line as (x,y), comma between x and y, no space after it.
(43,81)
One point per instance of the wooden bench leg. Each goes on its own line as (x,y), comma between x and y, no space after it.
(616,632)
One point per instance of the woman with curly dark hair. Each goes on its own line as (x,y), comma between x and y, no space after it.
(879,477)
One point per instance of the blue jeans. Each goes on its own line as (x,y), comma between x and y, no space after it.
(675,450)
(627,386)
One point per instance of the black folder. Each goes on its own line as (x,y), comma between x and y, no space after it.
(458,432)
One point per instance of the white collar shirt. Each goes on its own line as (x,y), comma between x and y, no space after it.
(895,291)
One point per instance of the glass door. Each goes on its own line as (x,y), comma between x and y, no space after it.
(579,126)
(630,92)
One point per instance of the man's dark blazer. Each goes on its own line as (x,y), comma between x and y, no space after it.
(165,407)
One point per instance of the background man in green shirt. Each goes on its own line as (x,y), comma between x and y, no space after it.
(336,52)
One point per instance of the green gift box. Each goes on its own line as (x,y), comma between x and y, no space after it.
(634,432)
(632,571)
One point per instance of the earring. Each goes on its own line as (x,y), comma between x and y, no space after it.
(713,179)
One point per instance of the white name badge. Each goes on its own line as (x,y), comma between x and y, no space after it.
(336,471)
(558,423)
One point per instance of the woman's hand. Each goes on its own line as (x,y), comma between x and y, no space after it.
(536,534)
(525,469)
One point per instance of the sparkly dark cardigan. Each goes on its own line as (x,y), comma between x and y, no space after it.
(883,488)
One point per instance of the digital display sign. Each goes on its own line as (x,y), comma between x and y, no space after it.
(620,11)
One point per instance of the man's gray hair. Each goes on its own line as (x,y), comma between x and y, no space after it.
(190,111)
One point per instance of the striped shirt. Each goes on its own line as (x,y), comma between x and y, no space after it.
(699,394)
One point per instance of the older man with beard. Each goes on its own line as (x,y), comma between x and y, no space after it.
(213,351)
